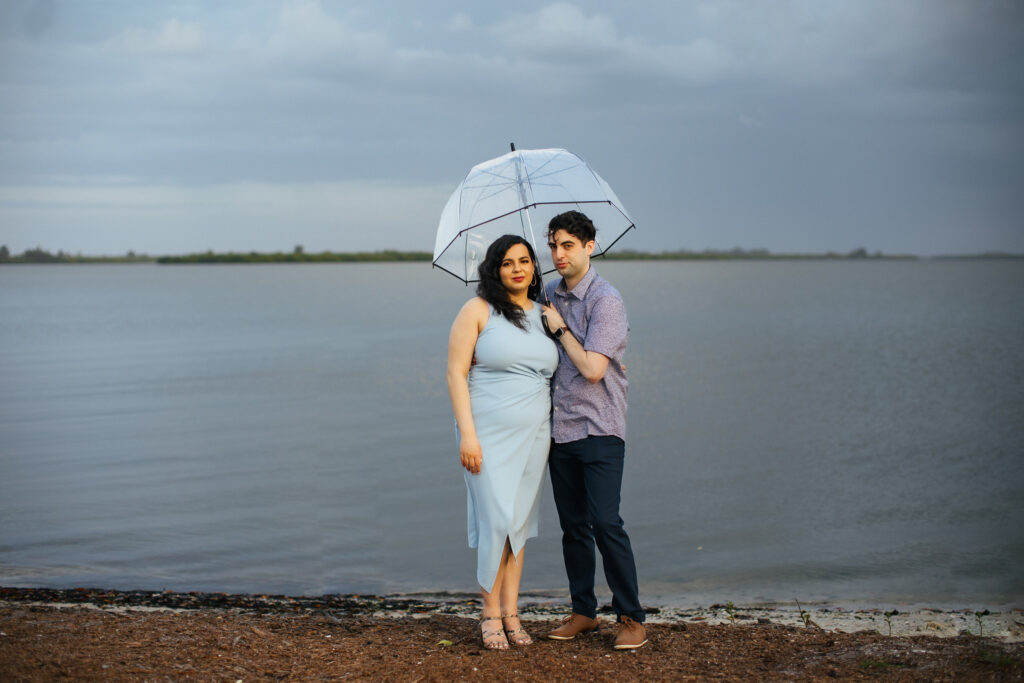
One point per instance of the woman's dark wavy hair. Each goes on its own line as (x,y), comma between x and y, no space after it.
(490,288)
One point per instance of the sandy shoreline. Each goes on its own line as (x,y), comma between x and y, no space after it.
(99,635)
(1005,624)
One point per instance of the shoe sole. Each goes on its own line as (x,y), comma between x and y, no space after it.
(631,647)
(581,633)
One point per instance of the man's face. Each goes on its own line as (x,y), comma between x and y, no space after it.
(570,255)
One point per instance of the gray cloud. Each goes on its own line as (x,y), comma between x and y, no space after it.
(171,38)
(792,126)
(39,17)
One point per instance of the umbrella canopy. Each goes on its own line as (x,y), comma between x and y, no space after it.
(519,193)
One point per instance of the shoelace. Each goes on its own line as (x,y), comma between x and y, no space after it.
(628,623)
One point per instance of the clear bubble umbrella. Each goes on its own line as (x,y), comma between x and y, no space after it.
(519,193)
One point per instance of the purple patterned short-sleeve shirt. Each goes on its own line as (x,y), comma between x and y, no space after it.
(594,313)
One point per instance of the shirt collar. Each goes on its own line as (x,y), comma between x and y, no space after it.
(582,287)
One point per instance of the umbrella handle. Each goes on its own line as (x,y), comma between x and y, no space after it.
(543,318)
(547,328)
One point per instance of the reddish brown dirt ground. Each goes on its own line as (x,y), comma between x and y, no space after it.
(47,643)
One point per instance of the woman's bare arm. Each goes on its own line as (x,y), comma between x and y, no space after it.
(461,345)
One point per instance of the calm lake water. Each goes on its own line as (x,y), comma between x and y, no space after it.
(841,431)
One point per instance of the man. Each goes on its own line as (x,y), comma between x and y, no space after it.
(588,430)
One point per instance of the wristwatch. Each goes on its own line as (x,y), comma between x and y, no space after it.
(557,334)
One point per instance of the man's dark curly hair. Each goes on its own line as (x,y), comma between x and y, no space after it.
(493,291)
(575,223)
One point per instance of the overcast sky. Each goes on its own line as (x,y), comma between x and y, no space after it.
(814,125)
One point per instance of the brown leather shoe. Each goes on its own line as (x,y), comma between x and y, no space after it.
(632,634)
(572,626)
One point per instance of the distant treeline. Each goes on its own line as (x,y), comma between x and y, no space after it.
(764,254)
(40,255)
(299,255)
(741,254)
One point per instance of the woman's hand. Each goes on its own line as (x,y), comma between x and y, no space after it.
(552,317)
(470,455)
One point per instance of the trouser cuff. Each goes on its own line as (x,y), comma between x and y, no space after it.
(584,611)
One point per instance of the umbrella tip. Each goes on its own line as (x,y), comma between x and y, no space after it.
(512,145)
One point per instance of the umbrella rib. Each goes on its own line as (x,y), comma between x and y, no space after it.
(537,174)
(604,251)
(457,277)
(447,247)
(497,188)
(532,178)
(551,159)
(493,174)
(528,206)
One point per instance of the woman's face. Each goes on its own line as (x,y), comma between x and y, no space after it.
(516,269)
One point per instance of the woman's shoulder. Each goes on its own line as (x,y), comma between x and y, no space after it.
(476,309)
(477,305)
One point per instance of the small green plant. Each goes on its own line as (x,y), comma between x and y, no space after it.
(730,609)
(804,616)
(888,619)
(981,627)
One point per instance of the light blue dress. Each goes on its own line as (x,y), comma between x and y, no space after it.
(510,397)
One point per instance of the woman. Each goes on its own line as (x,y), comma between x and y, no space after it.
(500,363)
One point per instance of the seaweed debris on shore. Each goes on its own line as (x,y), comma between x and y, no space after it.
(259,603)
(100,635)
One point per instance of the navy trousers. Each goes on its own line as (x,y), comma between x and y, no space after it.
(586,478)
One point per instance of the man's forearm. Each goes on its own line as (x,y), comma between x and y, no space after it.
(591,364)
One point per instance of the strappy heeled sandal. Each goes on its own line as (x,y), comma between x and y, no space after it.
(517,636)
(493,639)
